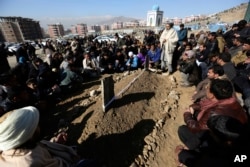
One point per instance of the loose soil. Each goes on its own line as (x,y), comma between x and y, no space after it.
(139,129)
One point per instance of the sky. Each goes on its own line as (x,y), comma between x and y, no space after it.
(71,12)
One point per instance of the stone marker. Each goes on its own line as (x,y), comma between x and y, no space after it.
(108,95)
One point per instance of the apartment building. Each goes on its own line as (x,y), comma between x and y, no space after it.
(117,25)
(134,23)
(94,28)
(56,30)
(18,29)
(105,27)
(81,29)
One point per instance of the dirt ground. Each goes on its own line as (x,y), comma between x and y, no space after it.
(139,129)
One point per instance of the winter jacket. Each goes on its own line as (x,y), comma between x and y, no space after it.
(207,108)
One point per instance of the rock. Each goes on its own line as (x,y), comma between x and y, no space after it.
(154,133)
(175,106)
(142,161)
(157,138)
(160,123)
(149,139)
(153,146)
(93,93)
(166,109)
(157,149)
(172,79)
(85,102)
(151,155)
(137,161)
(118,78)
(145,153)
(149,147)
(174,95)
(126,73)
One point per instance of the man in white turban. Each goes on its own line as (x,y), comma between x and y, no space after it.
(17,127)
(19,145)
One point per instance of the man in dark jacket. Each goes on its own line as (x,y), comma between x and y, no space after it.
(219,101)
(229,35)
(4,64)
(243,30)
(202,60)
(212,43)
(182,34)
(227,138)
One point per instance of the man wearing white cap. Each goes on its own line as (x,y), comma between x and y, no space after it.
(132,62)
(19,145)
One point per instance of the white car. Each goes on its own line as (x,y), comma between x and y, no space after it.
(13,47)
(62,41)
(103,38)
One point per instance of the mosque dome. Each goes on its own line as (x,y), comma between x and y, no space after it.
(156,7)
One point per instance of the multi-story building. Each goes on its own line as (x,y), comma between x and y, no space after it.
(142,23)
(134,23)
(81,29)
(55,30)
(18,29)
(117,25)
(73,29)
(177,21)
(95,28)
(105,27)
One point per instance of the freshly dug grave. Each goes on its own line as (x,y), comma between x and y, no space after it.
(140,128)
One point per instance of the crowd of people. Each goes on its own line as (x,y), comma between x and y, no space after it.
(217,63)
(216,128)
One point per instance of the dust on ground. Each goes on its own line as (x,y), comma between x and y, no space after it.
(140,128)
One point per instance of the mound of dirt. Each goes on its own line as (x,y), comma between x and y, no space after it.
(139,129)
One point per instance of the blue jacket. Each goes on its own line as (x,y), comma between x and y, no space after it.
(154,56)
(133,62)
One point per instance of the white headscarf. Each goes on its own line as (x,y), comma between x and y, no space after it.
(18,127)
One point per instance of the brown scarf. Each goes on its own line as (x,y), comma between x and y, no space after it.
(208,103)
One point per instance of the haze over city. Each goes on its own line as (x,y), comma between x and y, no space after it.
(70,12)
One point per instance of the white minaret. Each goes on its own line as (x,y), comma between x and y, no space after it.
(154,17)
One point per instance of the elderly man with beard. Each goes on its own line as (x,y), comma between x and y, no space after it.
(168,40)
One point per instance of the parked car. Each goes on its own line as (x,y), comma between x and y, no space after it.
(13,47)
(103,38)
(120,36)
(62,41)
